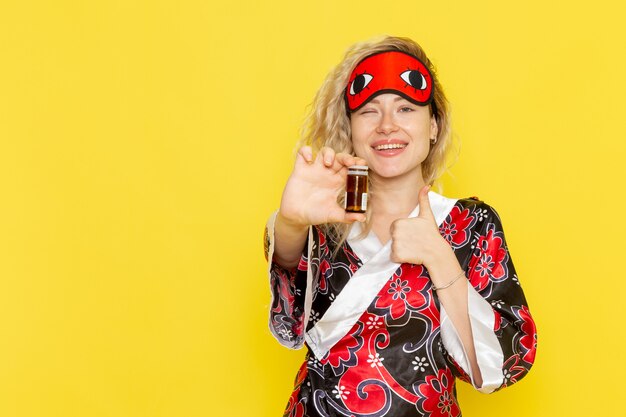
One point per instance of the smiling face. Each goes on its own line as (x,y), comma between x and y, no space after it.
(393,136)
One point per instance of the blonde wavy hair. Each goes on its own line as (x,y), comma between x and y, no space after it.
(327,122)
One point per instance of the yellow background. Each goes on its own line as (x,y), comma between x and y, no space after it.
(143,144)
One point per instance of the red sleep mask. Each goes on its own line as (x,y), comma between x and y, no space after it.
(389,72)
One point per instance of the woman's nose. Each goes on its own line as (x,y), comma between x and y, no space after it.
(387,124)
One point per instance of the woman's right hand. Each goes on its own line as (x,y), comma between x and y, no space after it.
(310,196)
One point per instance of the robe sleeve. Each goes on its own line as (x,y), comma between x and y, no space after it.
(486,345)
(290,290)
(504,332)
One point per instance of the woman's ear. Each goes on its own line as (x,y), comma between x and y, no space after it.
(434,128)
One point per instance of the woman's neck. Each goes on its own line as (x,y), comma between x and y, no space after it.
(395,197)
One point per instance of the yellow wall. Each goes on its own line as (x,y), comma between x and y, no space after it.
(144,143)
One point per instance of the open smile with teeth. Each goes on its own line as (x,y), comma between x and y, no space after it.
(390,146)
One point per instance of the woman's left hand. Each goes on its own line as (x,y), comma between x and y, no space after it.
(417,240)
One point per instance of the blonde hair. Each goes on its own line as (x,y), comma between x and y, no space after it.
(327,122)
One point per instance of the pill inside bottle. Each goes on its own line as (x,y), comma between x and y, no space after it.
(356,189)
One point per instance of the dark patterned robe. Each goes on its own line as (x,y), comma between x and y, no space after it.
(401,355)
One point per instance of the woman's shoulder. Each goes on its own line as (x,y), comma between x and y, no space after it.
(474,207)
(473,202)
(455,206)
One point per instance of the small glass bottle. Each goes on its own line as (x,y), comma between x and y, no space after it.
(356,189)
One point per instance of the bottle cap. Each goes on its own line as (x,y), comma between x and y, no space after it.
(358,168)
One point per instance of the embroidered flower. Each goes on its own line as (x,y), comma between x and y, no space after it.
(481,214)
(528,339)
(507,376)
(375,360)
(436,395)
(489,263)
(344,353)
(515,279)
(399,288)
(420,363)
(456,228)
(373,322)
(485,265)
(513,370)
(314,317)
(405,292)
(314,363)
(497,303)
(340,392)
(445,403)
(285,334)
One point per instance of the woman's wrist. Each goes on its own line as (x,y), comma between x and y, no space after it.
(291,224)
(443,265)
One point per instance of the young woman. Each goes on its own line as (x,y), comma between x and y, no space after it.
(393,305)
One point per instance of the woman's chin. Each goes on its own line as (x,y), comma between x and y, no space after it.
(389,172)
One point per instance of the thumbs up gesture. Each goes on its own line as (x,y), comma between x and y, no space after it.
(417,240)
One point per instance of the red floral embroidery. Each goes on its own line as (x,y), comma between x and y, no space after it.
(436,396)
(490,262)
(456,228)
(528,341)
(344,353)
(405,291)
(513,372)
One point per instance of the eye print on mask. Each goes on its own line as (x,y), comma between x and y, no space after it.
(389,72)
(415,79)
(359,83)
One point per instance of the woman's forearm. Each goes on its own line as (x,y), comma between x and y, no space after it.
(289,240)
(454,300)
